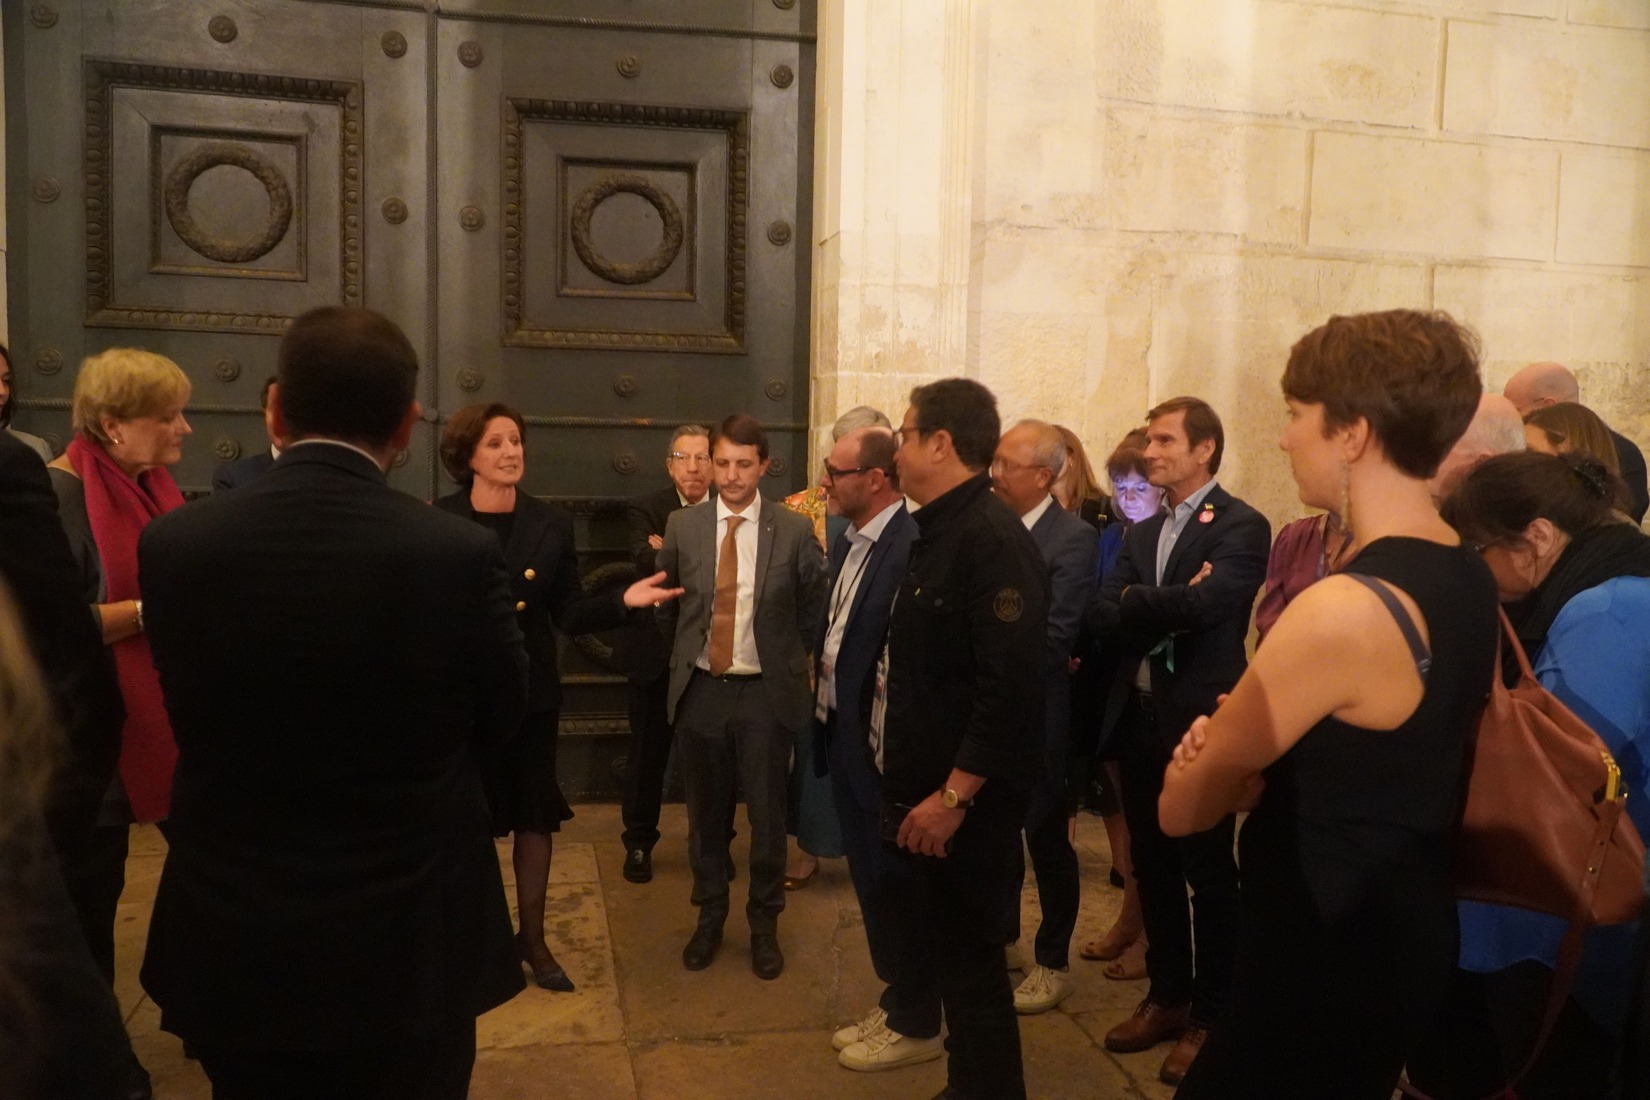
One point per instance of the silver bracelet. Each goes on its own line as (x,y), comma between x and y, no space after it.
(139,605)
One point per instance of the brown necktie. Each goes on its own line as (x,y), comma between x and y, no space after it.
(727,596)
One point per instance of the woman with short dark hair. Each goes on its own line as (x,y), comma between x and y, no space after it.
(1347,737)
(482,450)
(1574,575)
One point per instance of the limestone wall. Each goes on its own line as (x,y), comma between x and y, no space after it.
(1166,193)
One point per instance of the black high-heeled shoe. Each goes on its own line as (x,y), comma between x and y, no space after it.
(550,975)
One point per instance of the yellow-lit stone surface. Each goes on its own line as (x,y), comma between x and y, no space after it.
(1377,193)
(1604,207)
(1577,84)
(640,1027)
(1268,57)
(1611,13)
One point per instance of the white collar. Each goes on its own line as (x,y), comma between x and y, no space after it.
(1030,518)
(878,523)
(752,511)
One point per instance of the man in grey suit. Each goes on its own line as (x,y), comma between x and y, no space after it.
(755,589)
(1023,472)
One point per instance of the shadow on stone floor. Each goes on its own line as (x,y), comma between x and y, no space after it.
(640,1027)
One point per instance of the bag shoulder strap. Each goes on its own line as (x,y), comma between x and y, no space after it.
(1412,637)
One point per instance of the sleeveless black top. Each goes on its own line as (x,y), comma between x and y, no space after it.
(1348,935)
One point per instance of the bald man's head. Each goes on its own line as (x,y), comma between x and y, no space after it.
(1541,384)
(1496,429)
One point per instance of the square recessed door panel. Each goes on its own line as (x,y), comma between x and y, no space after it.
(643,248)
(219,200)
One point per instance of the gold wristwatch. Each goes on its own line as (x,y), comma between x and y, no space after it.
(953,800)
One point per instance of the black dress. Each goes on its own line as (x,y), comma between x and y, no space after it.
(1348,934)
(537,540)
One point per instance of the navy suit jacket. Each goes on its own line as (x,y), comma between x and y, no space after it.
(232,475)
(1070,548)
(1208,621)
(867,627)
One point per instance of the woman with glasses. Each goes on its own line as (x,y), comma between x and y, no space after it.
(1574,575)
(1134,499)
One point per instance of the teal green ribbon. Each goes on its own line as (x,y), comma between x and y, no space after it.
(1166,649)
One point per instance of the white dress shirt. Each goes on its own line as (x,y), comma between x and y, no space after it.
(1030,518)
(860,543)
(745,660)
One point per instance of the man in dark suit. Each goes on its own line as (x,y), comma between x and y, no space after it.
(867,564)
(1028,460)
(755,581)
(1176,605)
(331,918)
(1541,384)
(232,475)
(647,653)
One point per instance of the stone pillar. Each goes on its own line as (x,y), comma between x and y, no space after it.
(893,200)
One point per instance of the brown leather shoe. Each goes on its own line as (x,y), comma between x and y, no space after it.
(1152,1023)
(1180,1058)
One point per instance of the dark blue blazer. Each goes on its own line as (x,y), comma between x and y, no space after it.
(867,629)
(1208,621)
(1069,547)
(232,475)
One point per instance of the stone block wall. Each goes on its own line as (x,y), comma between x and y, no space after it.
(1165,194)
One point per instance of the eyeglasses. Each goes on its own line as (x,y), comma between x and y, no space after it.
(689,460)
(1003,466)
(832,473)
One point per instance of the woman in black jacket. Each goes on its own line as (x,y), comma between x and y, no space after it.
(481,448)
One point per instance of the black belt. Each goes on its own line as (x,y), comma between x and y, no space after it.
(730,677)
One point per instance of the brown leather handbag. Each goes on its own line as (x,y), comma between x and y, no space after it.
(1543,827)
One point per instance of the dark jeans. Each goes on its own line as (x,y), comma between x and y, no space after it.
(1053,860)
(959,902)
(644,771)
(428,1067)
(728,736)
(1163,868)
(899,949)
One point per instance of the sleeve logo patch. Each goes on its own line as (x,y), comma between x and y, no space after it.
(1009,605)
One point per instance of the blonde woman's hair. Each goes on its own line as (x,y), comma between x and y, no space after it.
(124,383)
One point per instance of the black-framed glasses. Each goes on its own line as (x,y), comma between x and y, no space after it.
(690,460)
(901,435)
(832,473)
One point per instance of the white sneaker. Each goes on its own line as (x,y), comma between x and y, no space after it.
(1014,955)
(888,1049)
(1043,988)
(875,1020)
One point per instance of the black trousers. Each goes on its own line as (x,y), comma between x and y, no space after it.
(644,772)
(1165,866)
(1053,860)
(95,874)
(900,952)
(426,1067)
(727,737)
(959,901)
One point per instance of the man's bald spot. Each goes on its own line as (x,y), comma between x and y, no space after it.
(1541,384)
(1496,427)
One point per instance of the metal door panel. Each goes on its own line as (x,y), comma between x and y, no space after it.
(212,177)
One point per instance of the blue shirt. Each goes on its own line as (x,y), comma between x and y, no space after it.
(1596,660)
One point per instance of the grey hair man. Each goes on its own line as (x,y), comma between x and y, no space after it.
(1496,429)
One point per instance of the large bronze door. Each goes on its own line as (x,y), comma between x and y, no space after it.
(595,212)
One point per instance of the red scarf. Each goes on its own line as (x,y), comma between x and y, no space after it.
(118,508)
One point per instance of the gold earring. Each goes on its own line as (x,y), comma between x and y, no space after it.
(1346,498)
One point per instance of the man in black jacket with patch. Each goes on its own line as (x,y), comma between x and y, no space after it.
(1176,606)
(960,734)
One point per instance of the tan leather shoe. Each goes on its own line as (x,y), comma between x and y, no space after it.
(1184,1052)
(1152,1023)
